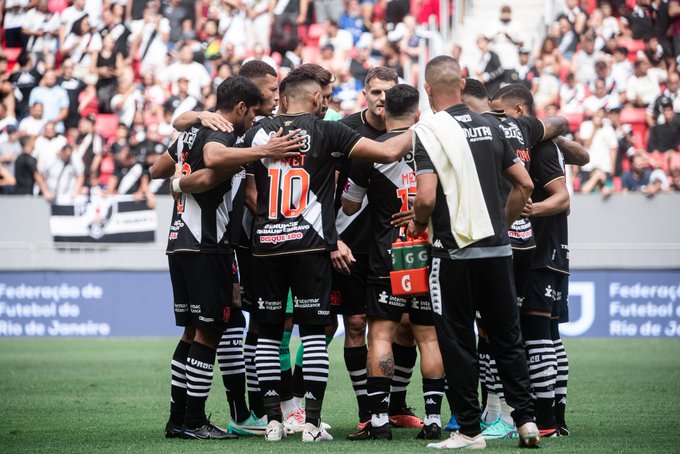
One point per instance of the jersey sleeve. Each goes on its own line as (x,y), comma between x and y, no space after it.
(509,155)
(172,151)
(423,163)
(341,138)
(546,164)
(357,184)
(226,139)
(534,127)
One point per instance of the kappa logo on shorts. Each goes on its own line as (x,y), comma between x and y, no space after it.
(310,396)
(271,393)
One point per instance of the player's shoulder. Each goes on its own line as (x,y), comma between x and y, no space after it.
(354,120)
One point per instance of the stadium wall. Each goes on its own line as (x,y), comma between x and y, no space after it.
(625,257)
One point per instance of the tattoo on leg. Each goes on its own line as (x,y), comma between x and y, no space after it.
(386,364)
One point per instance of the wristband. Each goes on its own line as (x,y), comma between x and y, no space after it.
(175,185)
(419,224)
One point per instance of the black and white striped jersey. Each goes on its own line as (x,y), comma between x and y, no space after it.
(388,188)
(295,196)
(200,222)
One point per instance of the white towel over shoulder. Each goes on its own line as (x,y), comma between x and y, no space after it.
(449,151)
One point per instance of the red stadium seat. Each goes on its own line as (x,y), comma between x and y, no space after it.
(106,125)
(314,33)
(12,54)
(575,119)
(634,46)
(57,6)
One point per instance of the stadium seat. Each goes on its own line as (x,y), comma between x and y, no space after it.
(106,125)
(634,46)
(57,6)
(314,33)
(12,54)
(575,119)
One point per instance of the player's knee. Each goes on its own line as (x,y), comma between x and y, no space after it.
(355,327)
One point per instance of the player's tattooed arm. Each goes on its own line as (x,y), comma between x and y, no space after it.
(574,153)
(554,126)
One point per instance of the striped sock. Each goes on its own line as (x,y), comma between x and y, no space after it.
(495,379)
(355,361)
(315,371)
(483,358)
(562,374)
(199,372)
(542,367)
(433,393)
(404,362)
(253,385)
(233,368)
(269,370)
(178,384)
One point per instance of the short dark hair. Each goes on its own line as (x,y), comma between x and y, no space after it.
(23,58)
(282,86)
(382,73)
(256,69)
(235,89)
(323,76)
(475,88)
(298,77)
(401,100)
(518,93)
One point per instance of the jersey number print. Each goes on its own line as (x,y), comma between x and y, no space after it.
(288,191)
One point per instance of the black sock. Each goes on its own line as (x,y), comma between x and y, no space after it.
(200,363)
(254,394)
(269,369)
(178,384)
(233,368)
(542,367)
(562,373)
(378,389)
(315,371)
(299,382)
(483,355)
(355,361)
(404,362)
(433,393)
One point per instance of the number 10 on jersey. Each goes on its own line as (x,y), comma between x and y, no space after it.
(288,192)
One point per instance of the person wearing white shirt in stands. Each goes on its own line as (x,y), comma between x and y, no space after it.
(14,13)
(642,87)
(150,38)
(63,177)
(80,44)
(48,145)
(34,123)
(193,71)
(42,29)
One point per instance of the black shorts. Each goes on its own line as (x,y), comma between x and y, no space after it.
(202,287)
(245,271)
(308,276)
(547,291)
(382,305)
(348,296)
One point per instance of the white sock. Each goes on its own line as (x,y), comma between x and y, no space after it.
(379,420)
(288,407)
(492,411)
(506,413)
(429,419)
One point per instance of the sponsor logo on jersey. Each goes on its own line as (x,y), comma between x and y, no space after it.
(478,133)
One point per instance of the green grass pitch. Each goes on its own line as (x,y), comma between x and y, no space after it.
(85,395)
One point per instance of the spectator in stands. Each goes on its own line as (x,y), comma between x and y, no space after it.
(664,137)
(194,72)
(14,15)
(329,59)
(342,40)
(42,29)
(360,64)
(599,138)
(34,123)
(63,177)
(81,43)
(182,101)
(10,148)
(525,71)
(291,60)
(288,14)
(567,38)
(26,168)
(108,65)
(115,26)
(7,181)
(175,13)
(391,58)
(128,175)
(6,119)
(88,148)
(53,98)
(489,69)
(258,25)
(606,25)
(25,79)
(642,88)
(150,38)
(396,11)
(672,93)
(576,16)
(73,87)
(377,40)
(507,40)
(70,15)
(572,95)
(600,99)
(621,68)
(625,138)
(640,20)
(352,20)
(547,88)
(233,24)
(328,10)
(347,92)
(48,145)
(642,178)
(7,99)
(583,63)
(260,54)
(674,14)
(128,100)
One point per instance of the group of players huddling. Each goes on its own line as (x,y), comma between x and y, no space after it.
(291,218)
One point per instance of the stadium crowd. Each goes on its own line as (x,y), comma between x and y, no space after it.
(98,84)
